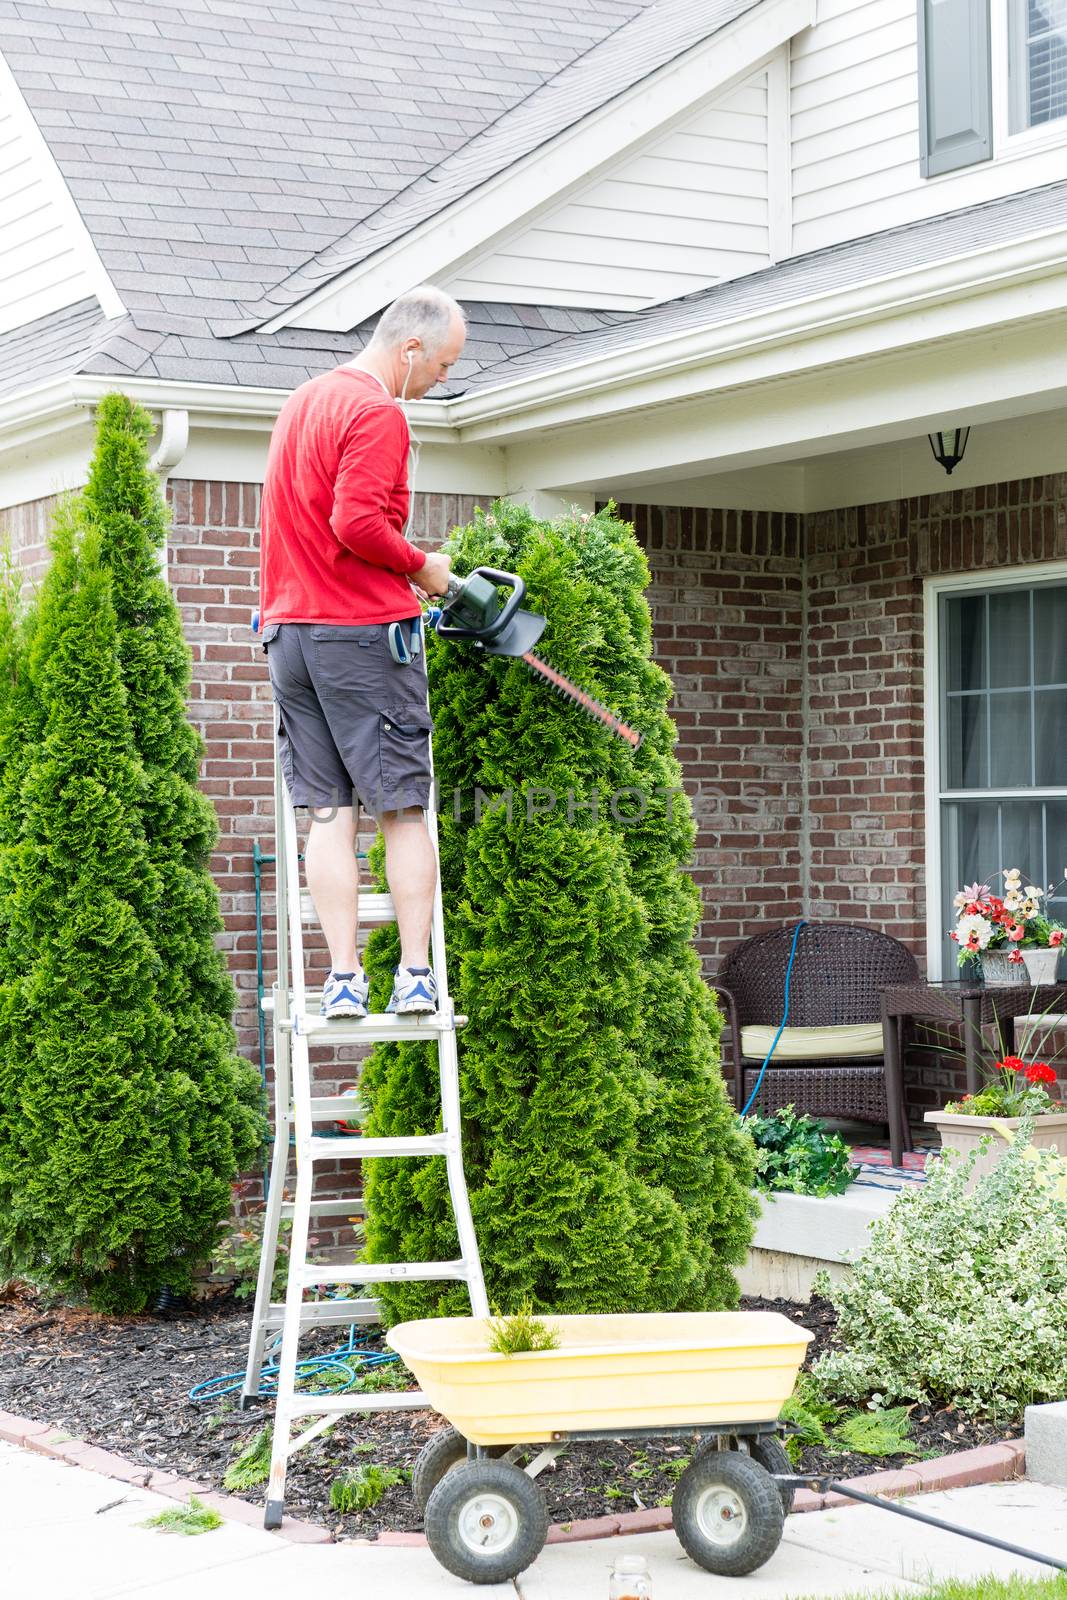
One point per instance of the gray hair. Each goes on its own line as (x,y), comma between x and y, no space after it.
(425,313)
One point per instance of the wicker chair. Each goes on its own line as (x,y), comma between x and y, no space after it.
(838,975)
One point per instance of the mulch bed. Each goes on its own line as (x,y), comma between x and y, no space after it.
(124,1384)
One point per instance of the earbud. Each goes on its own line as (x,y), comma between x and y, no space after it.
(409,357)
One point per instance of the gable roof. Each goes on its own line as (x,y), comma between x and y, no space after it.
(216,146)
(623,59)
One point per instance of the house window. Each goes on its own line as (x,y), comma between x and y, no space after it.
(1037,62)
(1003,736)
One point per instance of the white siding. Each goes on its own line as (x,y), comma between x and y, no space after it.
(688,211)
(47,260)
(854,131)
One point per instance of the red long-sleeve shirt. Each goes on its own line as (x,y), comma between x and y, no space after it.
(335,500)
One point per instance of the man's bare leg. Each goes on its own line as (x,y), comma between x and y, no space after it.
(411,868)
(333,880)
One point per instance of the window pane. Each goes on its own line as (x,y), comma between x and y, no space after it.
(967,756)
(1043,25)
(1009,639)
(1050,711)
(1021,839)
(1011,764)
(965,641)
(1056,859)
(1050,634)
(1045,14)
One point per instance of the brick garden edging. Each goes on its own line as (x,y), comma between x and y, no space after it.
(990,1463)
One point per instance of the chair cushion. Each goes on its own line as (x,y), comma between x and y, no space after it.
(805,1044)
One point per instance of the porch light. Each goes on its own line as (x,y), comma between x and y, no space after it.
(948,446)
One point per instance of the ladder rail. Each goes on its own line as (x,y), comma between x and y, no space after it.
(295,1113)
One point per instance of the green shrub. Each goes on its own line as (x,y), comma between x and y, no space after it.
(124,1108)
(236,1256)
(606,1168)
(959,1296)
(796,1153)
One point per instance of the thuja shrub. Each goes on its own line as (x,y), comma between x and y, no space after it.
(959,1296)
(606,1168)
(124,1109)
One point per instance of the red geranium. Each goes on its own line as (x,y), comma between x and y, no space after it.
(1011,1064)
(1040,1072)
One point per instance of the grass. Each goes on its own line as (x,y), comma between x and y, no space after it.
(1054,1588)
(191,1519)
(512,1336)
(363,1487)
(252,1466)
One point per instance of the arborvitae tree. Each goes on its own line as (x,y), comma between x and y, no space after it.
(124,1109)
(606,1168)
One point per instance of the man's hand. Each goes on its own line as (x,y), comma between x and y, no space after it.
(433,577)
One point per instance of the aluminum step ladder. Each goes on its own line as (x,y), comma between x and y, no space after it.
(297,1028)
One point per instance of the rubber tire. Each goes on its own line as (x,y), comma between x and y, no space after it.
(461,1485)
(769,1451)
(758,1493)
(446,1449)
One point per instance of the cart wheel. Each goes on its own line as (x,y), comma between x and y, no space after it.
(486,1521)
(445,1450)
(770,1452)
(727,1513)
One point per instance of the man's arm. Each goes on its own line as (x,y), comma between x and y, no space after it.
(375,448)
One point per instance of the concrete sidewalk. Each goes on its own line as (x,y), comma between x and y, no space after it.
(70,1534)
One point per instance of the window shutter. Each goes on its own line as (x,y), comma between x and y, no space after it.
(955,85)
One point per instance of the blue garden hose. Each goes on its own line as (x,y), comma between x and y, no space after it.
(781,1025)
(349,1358)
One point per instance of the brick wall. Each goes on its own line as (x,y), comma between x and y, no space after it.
(727,601)
(24,531)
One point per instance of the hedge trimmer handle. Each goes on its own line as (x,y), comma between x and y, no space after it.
(472,608)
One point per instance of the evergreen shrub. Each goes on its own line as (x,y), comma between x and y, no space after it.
(125,1110)
(606,1167)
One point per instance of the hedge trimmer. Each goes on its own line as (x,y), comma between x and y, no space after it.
(473,610)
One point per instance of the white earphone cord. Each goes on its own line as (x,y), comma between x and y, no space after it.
(414,449)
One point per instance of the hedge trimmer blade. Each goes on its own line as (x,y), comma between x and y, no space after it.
(586,702)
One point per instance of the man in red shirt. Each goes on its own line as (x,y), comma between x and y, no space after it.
(335,570)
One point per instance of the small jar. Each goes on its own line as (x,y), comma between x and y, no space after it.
(630,1580)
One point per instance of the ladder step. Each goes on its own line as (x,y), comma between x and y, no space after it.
(385,1272)
(378,1027)
(374,910)
(327,1313)
(338,1405)
(340,1107)
(359,1149)
(354,1207)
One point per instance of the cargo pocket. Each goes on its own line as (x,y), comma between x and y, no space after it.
(404,748)
(346,659)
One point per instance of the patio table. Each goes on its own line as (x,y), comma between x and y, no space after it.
(964,1002)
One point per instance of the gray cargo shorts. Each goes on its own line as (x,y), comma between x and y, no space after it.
(349,718)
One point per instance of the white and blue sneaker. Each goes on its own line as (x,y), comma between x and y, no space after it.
(414,991)
(344,994)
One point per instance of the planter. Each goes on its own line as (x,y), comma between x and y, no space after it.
(1041,965)
(965,1134)
(1000,972)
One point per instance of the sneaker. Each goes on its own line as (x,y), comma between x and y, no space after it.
(414,991)
(344,994)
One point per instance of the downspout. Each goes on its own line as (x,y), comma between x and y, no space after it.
(805,731)
(173,443)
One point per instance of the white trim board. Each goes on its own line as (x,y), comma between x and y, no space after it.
(1026,576)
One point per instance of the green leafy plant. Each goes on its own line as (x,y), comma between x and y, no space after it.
(795,1152)
(522,1331)
(237,1253)
(252,1466)
(960,1296)
(1018,1089)
(125,1110)
(363,1487)
(811,1416)
(190,1519)
(605,1165)
(878,1433)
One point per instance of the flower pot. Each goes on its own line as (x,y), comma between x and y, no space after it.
(964,1134)
(1000,972)
(1041,965)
